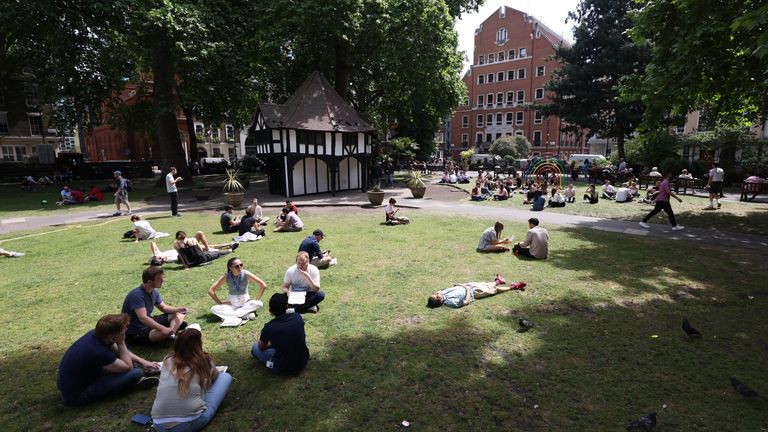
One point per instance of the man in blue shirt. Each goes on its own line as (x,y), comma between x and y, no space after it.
(311,245)
(282,344)
(139,304)
(99,364)
(463,294)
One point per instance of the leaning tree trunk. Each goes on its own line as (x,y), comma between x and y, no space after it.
(342,69)
(171,150)
(192,135)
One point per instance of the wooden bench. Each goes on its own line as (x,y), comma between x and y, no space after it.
(685,184)
(643,181)
(753,188)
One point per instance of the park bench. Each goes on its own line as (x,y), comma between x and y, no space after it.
(643,181)
(685,184)
(753,188)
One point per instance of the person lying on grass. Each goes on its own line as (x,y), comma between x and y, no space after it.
(196,251)
(463,294)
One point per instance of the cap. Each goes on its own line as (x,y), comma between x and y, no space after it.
(318,232)
(117,172)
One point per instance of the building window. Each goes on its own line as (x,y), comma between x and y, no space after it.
(680,128)
(499,117)
(481,60)
(510,75)
(488,119)
(490,99)
(522,53)
(511,54)
(539,71)
(8,154)
(500,56)
(491,58)
(480,101)
(521,73)
(490,78)
(488,137)
(499,99)
(521,96)
(498,135)
(35,124)
(214,132)
(539,93)
(465,121)
(479,120)
(538,117)
(464,140)
(478,138)
(500,76)
(310,138)
(230,133)
(537,138)
(510,97)
(4,123)
(481,79)
(216,152)
(518,133)
(519,118)
(199,129)
(509,118)
(501,36)
(466,100)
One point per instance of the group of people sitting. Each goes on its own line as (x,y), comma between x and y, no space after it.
(453,176)
(627,192)
(251,222)
(494,186)
(73,196)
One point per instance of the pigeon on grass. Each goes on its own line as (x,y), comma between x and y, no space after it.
(690,331)
(525,325)
(645,423)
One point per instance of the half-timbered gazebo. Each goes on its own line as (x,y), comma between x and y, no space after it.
(313,143)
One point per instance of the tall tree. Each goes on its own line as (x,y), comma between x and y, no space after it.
(587,87)
(711,55)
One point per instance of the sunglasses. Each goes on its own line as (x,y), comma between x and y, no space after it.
(238,265)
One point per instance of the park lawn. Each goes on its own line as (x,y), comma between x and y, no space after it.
(745,217)
(607,345)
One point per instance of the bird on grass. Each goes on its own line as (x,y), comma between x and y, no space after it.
(525,325)
(744,390)
(645,423)
(690,331)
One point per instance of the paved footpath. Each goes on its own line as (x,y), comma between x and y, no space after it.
(439,198)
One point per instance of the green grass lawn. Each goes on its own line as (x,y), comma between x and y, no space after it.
(747,217)
(607,345)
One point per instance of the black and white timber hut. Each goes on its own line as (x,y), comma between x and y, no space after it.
(313,143)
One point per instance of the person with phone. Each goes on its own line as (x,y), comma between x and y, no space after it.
(99,364)
(282,344)
(311,245)
(491,240)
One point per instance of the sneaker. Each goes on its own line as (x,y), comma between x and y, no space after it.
(677,228)
(117,214)
(519,286)
(500,279)
(234,245)
(148,382)
(719,205)
(129,213)
(183,326)
(251,316)
(314,309)
(644,225)
(16,254)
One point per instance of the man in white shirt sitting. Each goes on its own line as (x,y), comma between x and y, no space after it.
(608,190)
(623,194)
(303,277)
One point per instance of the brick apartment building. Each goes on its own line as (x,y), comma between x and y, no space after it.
(512,62)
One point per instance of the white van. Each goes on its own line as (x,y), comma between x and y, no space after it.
(579,158)
(484,158)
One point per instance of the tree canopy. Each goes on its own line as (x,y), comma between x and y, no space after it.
(711,55)
(510,147)
(586,89)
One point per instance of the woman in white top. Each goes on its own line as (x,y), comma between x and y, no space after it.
(239,307)
(142,230)
(190,389)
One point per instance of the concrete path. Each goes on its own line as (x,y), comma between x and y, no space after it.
(439,198)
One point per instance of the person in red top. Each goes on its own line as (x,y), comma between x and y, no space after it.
(94,194)
(662,203)
(291,206)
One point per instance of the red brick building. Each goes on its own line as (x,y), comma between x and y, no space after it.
(512,62)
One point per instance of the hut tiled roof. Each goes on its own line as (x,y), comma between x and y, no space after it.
(314,106)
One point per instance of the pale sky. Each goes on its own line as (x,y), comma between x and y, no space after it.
(551,12)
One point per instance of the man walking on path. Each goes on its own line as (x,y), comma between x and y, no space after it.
(121,195)
(715,184)
(173,192)
(662,203)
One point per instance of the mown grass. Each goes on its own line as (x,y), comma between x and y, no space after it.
(747,217)
(379,356)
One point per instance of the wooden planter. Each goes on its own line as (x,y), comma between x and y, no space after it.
(234,198)
(376,197)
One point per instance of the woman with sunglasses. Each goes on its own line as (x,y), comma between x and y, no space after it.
(239,307)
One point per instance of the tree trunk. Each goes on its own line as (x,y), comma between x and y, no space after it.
(620,145)
(192,135)
(163,71)
(343,70)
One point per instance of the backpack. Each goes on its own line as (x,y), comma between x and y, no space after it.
(128,185)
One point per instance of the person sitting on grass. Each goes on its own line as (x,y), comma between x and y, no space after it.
(391,214)
(191,388)
(591,195)
(29,183)
(258,212)
(290,222)
(228,222)
(536,243)
(159,257)
(623,194)
(239,307)
(476,195)
(142,230)
(311,245)
(70,197)
(139,304)
(94,194)
(291,208)
(557,199)
(250,223)
(608,190)
(303,279)
(99,364)
(538,201)
(491,241)
(501,192)
(282,344)
(10,254)
(461,295)
(197,251)
(650,194)
(634,190)
(570,194)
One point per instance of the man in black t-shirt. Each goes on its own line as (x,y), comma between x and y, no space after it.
(229,223)
(250,223)
(282,344)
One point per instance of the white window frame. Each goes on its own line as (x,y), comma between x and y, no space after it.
(480,101)
(510,98)
(481,79)
(500,76)
(543,71)
(481,60)
(539,93)
(522,53)
(500,56)
(510,75)
(464,122)
(518,133)
(479,120)
(489,119)
(489,100)
(491,58)
(478,138)
(464,138)
(519,118)
(499,118)
(490,77)
(499,99)
(538,117)
(510,118)
(521,73)
(29,122)
(519,99)
(539,134)
(511,54)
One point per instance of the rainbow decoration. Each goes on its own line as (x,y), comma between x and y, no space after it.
(546,167)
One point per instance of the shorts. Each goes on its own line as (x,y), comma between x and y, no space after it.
(481,289)
(716,187)
(141,336)
(119,198)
